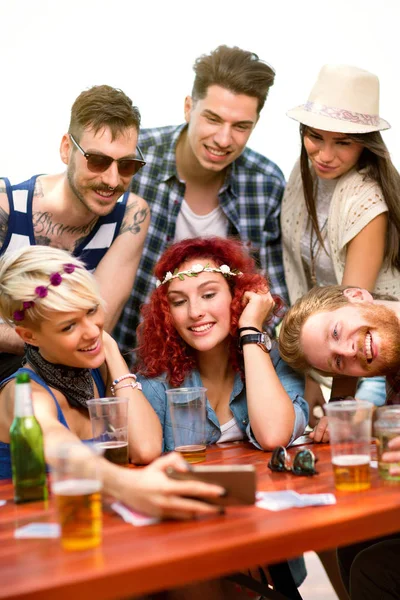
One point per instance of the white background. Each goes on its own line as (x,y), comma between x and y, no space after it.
(51,50)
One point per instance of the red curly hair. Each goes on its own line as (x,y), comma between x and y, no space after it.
(160,348)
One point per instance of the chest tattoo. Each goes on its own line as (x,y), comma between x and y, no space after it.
(50,232)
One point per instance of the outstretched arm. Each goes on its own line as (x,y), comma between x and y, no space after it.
(117,270)
(149,490)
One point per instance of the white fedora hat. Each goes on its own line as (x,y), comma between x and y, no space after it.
(344,99)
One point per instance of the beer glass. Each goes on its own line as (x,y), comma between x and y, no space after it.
(109,418)
(187,407)
(349,424)
(76,486)
(386,427)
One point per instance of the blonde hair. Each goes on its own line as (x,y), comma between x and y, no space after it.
(26,269)
(318,299)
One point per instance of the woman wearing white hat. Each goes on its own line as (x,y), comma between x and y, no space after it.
(340,212)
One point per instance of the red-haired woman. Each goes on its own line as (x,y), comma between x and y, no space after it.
(203,326)
(210,300)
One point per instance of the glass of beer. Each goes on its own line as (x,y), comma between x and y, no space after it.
(109,418)
(386,427)
(187,407)
(76,486)
(349,425)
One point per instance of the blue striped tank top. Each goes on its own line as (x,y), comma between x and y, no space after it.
(20,225)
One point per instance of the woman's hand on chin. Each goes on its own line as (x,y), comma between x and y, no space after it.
(257,307)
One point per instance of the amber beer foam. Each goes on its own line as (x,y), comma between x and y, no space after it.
(351,472)
(193,454)
(116,452)
(79,509)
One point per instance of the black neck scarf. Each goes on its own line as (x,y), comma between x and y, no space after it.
(76,384)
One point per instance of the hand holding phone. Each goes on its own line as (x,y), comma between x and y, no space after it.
(239,481)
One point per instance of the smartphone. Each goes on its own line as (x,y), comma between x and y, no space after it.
(239,481)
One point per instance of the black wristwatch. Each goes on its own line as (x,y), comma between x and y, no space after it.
(261,339)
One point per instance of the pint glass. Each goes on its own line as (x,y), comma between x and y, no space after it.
(76,486)
(109,418)
(350,438)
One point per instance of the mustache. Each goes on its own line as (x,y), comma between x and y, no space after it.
(102,187)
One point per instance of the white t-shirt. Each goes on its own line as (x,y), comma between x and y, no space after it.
(190,225)
(230,432)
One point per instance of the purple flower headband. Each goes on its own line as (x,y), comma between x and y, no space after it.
(41,291)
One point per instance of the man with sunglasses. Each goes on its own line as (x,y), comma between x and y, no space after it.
(87,210)
(201,179)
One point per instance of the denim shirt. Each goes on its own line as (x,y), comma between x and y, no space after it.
(154,390)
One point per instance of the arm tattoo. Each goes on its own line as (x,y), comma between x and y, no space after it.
(136,218)
(3,225)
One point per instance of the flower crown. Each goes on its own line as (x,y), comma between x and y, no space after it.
(41,291)
(195,270)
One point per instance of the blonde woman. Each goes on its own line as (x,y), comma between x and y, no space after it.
(54,305)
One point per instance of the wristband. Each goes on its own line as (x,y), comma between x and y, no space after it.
(261,339)
(248,329)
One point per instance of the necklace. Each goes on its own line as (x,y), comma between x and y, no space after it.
(313,253)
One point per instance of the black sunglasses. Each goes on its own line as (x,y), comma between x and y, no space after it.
(303,462)
(98,163)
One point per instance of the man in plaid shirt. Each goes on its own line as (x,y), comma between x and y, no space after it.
(201,180)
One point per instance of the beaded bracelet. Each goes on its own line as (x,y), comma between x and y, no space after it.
(132,385)
(119,379)
(127,376)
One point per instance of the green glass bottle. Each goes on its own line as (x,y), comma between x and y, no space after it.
(26,445)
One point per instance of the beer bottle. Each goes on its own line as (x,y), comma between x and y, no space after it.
(26,445)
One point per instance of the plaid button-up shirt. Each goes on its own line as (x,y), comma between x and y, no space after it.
(250,198)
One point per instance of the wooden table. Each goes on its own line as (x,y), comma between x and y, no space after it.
(134,561)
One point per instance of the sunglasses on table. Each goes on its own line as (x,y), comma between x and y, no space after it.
(303,462)
(98,163)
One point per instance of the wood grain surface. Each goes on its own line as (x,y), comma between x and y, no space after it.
(133,561)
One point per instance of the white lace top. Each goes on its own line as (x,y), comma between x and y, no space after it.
(354,204)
